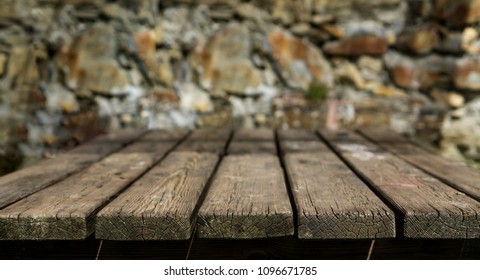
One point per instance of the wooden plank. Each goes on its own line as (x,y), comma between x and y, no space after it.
(158,135)
(248,198)
(209,134)
(207,140)
(160,205)
(259,134)
(24,182)
(252,147)
(429,208)
(65,210)
(253,141)
(214,146)
(332,202)
(291,146)
(296,135)
(299,141)
(456,174)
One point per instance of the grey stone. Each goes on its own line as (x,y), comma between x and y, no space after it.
(461,128)
(59,99)
(300,62)
(223,63)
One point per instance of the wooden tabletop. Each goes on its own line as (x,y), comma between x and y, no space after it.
(243,184)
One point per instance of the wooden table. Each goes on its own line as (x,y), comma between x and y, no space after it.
(243,186)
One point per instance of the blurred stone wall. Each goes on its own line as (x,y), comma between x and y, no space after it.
(70,69)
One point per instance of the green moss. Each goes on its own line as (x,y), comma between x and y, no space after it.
(317,91)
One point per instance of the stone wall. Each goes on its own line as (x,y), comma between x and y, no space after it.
(70,69)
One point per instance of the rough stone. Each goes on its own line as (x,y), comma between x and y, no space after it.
(451,43)
(346,71)
(14,36)
(286,11)
(246,10)
(223,63)
(420,39)
(422,73)
(193,99)
(22,67)
(164,72)
(320,19)
(351,4)
(3,61)
(16,9)
(371,68)
(300,62)
(460,42)
(60,99)
(357,45)
(173,21)
(300,29)
(448,98)
(349,72)
(90,62)
(333,30)
(467,73)
(113,10)
(457,13)
(317,36)
(460,129)
(157,63)
(471,41)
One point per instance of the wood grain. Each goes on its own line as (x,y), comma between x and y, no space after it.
(299,141)
(253,141)
(210,134)
(24,182)
(332,202)
(296,135)
(429,208)
(259,134)
(206,140)
(252,147)
(215,147)
(247,199)
(65,210)
(456,174)
(160,205)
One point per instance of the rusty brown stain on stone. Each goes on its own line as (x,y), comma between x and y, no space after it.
(287,48)
(467,74)
(403,76)
(457,13)
(357,45)
(145,42)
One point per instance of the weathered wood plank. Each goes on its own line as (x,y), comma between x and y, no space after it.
(455,173)
(299,141)
(296,135)
(430,208)
(253,141)
(210,134)
(252,147)
(160,205)
(260,134)
(332,202)
(65,210)
(247,199)
(215,147)
(24,182)
(291,146)
(206,140)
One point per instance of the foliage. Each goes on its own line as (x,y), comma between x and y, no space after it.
(317,91)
